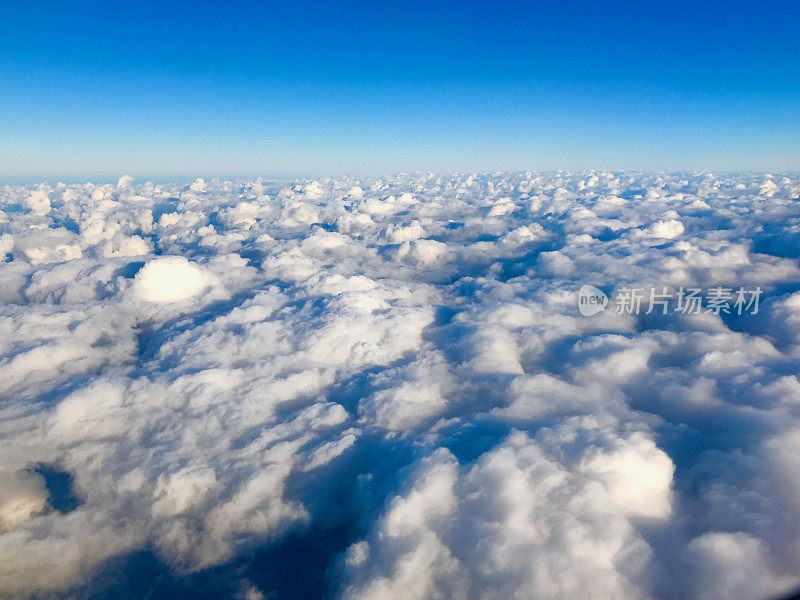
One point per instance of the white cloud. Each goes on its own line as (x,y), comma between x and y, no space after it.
(170,279)
(22,496)
(219,366)
(669,229)
(38,202)
(517,524)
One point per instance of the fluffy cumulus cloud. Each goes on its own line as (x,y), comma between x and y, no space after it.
(170,279)
(391,379)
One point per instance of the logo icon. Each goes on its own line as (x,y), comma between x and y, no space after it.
(591,300)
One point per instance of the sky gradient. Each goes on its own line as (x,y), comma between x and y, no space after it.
(243,88)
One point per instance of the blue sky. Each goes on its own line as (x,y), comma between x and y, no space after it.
(246,88)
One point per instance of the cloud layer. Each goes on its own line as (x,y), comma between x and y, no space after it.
(219,367)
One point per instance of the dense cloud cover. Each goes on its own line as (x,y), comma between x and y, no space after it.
(399,363)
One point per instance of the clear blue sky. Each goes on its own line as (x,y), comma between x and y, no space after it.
(247,88)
